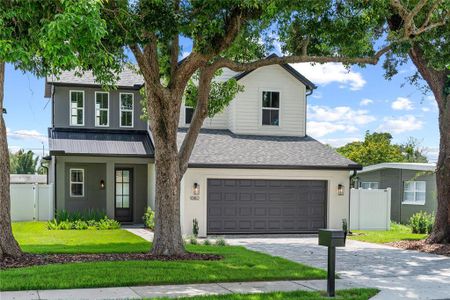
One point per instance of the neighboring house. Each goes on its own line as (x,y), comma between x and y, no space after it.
(253,169)
(413,186)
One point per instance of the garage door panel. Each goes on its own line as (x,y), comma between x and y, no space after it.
(265,206)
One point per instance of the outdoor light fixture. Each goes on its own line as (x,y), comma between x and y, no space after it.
(102,184)
(340,190)
(196,189)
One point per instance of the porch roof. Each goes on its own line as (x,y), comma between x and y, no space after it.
(68,141)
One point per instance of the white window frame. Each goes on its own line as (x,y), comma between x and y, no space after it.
(415,191)
(185,108)
(76,182)
(262,108)
(121,110)
(70,107)
(370,185)
(101,109)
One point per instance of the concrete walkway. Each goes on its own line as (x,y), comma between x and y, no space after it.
(173,291)
(399,274)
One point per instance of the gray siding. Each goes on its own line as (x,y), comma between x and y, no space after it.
(394,178)
(61,108)
(94,197)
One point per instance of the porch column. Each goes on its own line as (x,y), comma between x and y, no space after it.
(61,181)
(110,201)
(151,184)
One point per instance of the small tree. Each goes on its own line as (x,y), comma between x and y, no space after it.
(23,162)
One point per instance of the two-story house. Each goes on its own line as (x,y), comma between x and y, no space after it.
(253,169)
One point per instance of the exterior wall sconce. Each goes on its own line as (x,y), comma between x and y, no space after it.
(340,190)
(102,184)
(196,189)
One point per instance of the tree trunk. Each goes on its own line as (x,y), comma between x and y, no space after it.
(8,245)
(437,81)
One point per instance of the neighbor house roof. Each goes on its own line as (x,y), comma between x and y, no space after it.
(399,165)
(27,178)
(223,149)
(128,78)
(100,142)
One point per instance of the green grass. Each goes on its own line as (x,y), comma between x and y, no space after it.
(238,264)
(354,294)
(398,232)
(36,238)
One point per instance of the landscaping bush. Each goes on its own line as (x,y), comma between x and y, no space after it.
(193,240)
(88,215)
(221,242)
(79,221)
(195,227)
(149,218)
(206,242)
(80,225)
(106,223)
(421,222)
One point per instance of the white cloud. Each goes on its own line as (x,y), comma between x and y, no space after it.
(331,72)
(25,134)
(431,153)
(341,114)
(316,95)
(320,129)
(339,142)
(365,102)
(400,124)
(402,103)
(425,109)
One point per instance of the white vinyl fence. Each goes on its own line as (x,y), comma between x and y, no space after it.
(370,209)
(31,202)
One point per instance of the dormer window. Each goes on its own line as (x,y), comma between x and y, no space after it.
(77,108)
(126,109)
(270,108)
(102,109)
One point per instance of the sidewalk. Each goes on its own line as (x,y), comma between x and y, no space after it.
(173,291)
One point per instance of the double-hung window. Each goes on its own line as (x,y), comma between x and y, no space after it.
(76,182)
(102,109)
(126,109)
(77,108)
(369,185)
(414,192)
(271,108)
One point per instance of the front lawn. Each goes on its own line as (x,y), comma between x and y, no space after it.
(238,264)
(354,294)
(397,233)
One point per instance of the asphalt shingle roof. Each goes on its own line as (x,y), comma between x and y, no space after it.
(100,142)
(222,148)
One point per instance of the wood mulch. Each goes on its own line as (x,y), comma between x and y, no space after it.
(28,260)
(441,249)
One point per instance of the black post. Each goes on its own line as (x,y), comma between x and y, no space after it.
(331,271)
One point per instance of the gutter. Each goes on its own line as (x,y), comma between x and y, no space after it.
(47,158)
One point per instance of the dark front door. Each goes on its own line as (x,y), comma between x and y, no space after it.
(124,195)
(266,206)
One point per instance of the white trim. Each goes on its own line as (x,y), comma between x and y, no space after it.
(76,182)
(261,108)
(100,109)
(70,107)
(405,166)
(414,191)
(120,110)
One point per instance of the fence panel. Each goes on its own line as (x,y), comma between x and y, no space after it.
(370,209)
(31,202)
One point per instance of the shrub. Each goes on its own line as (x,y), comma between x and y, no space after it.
(221,242)
(80,225)
(206,242)
(52,225)
(195,227)
(65,225)
(421,222)
(105,224)
(90,214)
(149,218)
(193,240)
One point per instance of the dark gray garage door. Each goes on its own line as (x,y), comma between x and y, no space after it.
(266,206)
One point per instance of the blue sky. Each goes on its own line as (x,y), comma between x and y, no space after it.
(341,109)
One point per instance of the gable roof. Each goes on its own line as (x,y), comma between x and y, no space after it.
(106,142)
(405,166)
(223,149)
(289,69)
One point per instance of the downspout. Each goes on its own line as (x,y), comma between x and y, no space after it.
(306,106)
(349,195)
(47,158)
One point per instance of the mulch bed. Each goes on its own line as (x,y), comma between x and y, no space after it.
(28,260)
(441,249)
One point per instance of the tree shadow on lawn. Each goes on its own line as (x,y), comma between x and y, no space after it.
(87,248)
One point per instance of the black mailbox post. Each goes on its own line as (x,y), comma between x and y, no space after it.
(331,238)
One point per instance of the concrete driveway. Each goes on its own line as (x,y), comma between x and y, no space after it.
(399,274)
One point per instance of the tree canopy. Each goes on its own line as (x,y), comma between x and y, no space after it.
(23,162)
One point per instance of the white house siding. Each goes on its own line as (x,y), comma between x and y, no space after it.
(219,121)
(337,206)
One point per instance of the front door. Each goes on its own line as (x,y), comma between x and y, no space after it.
(124,195)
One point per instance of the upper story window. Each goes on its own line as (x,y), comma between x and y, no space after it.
(101,109)
(77,108)
(271,108)
(369,185)
(188,114)
(76,182)
(414,192)
(126,109)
